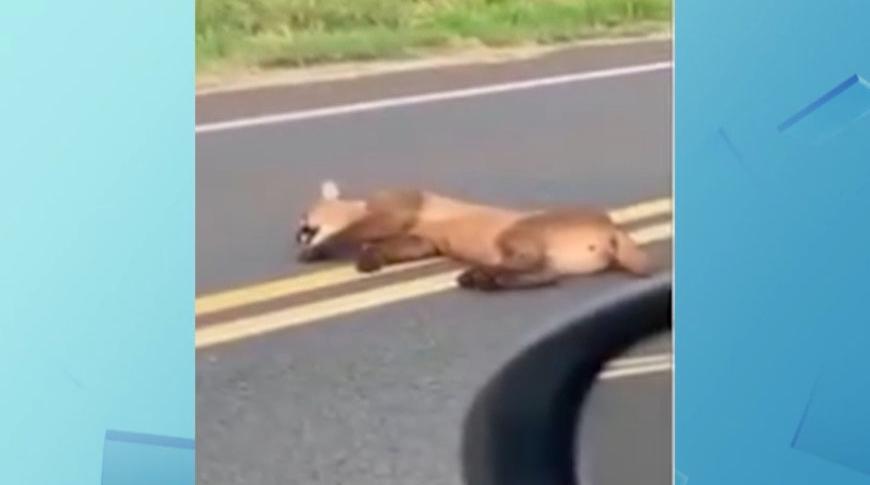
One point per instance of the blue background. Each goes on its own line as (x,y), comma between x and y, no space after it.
(772,243)
(142,459)
(97,224)
(96,208)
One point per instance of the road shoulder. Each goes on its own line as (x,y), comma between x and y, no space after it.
(254,100)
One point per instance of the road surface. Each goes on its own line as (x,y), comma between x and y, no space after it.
(332,379)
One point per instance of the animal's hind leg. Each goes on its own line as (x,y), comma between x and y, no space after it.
(510,280)
(522,265)
(492,279)
(394,250)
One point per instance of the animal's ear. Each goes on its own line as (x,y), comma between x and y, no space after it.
(329,190)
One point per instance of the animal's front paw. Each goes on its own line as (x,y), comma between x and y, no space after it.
(478,279)
(310,255)
(369,260)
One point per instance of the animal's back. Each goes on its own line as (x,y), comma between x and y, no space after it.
(464,230)
(568,241)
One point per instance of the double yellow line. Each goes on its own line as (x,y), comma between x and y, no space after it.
(254,325)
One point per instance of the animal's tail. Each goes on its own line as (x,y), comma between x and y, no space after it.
(630,256)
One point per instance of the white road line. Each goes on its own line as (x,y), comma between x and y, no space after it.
(634,371)
(639,361)
(292,116)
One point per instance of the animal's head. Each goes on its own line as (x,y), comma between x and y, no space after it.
(327,216)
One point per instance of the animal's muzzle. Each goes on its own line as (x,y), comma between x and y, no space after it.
(305,234)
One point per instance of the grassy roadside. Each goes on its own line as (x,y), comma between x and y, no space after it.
(245,34)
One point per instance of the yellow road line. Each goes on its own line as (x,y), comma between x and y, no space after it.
(654,233)
(343,274)
(644,210)
(270,290)
(332,307)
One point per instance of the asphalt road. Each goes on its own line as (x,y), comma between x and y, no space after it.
(376,396)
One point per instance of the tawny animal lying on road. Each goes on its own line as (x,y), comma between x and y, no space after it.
(504,248)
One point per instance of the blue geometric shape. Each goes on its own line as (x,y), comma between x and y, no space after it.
(729,143)
(772,268)
(831,113)
(836,423)
(794,167)
(95,325)
(680,478)
(145,459)
(717,150)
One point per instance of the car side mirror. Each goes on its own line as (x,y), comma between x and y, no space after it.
(522,426)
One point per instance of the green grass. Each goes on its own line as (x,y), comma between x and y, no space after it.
(240,34)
